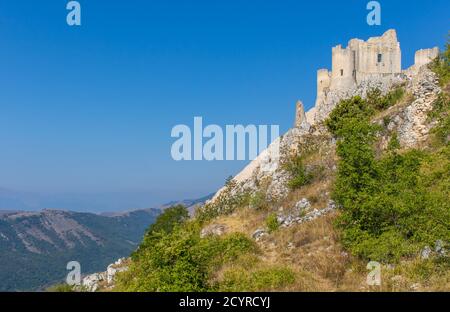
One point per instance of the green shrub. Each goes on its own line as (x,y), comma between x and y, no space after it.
(394,143)
(441,113)
(391,207)
(272,222)
(181,260)
(231,198)
(170,218)
(258,201)
(301,174)
(164,224)
(376,100)
(441,66)
(352,109)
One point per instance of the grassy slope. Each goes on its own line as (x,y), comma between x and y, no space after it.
(304,257)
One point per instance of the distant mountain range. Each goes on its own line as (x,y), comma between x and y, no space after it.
(190,204)
(78,201)
(35,246)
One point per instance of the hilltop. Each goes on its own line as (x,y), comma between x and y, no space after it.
(360,182)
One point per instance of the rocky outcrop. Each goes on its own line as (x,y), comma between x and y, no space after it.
(104,280)
(331,98)
(301,213)
(440,250)
(92,282)
(259,234)
(213,230)
(410,122)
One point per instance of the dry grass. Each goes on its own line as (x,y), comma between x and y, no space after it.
(244,220)
(318,261)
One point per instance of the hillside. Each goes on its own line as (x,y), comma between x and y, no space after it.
(35,247)
(366,180)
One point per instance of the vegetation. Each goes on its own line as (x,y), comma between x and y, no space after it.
(272,222)
(263,279)
(258,201)
(441,66)
(178,259)
(62,288)
(119,236)
(302,175)
(231,198)
(392,206)
(377,101)
(392,203)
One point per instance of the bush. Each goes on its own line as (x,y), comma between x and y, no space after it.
(441,113)
(380,102)
(181,260)
(302,175)
(231,198)
(391,207)
(441,66)
(165,224)
(170,218)
(258,201)
(355,109)
(272,222)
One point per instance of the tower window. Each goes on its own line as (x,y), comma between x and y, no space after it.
(380,57)
(342,72)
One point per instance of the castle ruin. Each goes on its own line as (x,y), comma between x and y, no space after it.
(362,65)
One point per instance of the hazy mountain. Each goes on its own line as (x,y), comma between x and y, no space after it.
(78,201)
(190,204)
(36,246)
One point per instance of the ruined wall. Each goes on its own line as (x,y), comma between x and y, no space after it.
(425,56)
(378,58)
(378,55)
(363,59)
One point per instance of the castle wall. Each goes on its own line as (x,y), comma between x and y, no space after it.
(342,68)
(361,60)
(425,56)
(370,63)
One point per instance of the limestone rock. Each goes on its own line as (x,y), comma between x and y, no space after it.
(213,230)
(302,205)
(426,253)
(91,282)
(258,234)
(115,268)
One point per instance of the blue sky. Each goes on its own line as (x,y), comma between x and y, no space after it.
(89,109)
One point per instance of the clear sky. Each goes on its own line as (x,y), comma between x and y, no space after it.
(89,109)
